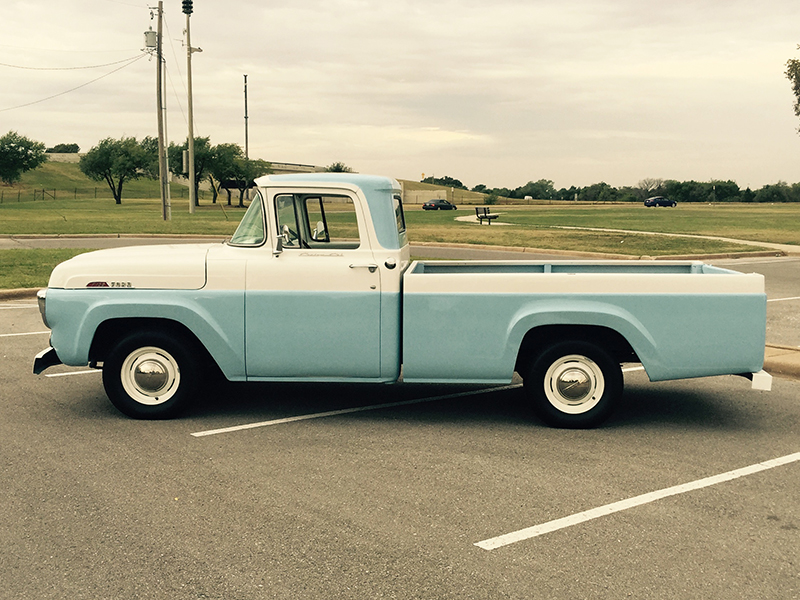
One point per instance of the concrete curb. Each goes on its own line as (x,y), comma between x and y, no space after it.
(18,293)
(782,361)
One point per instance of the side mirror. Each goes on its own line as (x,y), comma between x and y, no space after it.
(278,246)
(320,234)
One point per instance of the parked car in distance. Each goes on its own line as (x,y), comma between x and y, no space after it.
(659,201)
(439,204)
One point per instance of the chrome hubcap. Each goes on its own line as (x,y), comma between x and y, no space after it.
(150,376)
(574,384)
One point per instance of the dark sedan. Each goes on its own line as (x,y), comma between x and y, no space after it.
(439,204)
(659,201)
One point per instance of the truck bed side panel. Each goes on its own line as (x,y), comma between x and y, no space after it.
(475,336)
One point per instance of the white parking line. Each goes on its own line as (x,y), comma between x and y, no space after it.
(632,369)
(345,411)
(784,299)
(73,373)
(19,306)
(608,509)
(19,334)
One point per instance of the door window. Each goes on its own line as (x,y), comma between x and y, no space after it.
(311,221)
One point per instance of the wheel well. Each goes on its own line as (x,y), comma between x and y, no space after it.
(111,331)
(541,337)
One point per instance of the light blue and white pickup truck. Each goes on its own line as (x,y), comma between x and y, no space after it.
(316,284)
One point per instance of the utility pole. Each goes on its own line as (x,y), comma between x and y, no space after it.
(187,9)
(153,40)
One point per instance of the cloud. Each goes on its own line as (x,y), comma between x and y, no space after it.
(500,92)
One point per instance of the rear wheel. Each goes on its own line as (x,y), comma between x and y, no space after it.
(573,384)
(150,375)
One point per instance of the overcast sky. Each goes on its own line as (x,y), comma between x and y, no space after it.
(497,92)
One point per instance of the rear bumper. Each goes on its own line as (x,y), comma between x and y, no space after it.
(761,380)
(45,359)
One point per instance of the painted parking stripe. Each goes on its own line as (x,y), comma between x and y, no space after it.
(608,509)
(20,334)
(784,299)
(12,307)
(345,411)
(73,373)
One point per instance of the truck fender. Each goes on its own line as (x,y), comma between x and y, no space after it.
(577,312)
(215,319)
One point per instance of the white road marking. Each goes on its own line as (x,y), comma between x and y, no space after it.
(19,334)
(784,299)
(73,373)
(19,306)
(345,411)
(631,369)
(608,509)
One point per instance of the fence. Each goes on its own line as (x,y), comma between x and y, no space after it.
(100,193)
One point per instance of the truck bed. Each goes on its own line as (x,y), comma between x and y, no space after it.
(681,318)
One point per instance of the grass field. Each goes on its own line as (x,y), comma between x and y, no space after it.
(535,226)
(31,268)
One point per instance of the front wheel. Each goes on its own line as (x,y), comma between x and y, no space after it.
(573,384)
(150,375)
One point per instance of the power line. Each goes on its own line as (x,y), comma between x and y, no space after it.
(131,61)
(118,62)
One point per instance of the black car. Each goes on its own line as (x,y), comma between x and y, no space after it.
(439,204)
(659,201)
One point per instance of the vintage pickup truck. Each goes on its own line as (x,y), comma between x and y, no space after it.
(316,284)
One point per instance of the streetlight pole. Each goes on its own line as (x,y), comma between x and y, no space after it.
(187,9)
(166,210)
(246,132)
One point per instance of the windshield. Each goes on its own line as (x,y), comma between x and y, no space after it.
(251,231)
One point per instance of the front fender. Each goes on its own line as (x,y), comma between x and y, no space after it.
(216,318)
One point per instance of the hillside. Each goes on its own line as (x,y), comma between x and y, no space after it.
(61,179)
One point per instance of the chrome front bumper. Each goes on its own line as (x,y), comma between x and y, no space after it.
(44,360)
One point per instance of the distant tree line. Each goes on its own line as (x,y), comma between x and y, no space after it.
(680,191)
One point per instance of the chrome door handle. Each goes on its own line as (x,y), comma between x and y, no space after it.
(372,268)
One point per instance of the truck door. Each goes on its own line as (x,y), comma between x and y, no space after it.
(313,306)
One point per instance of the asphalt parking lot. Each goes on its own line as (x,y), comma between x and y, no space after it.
(308,491)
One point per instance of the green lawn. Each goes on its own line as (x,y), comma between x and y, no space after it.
(540,227)
(535,226)
(31,268)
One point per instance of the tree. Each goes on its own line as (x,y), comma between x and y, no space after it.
(19,154)
(223,167)
(115,162)
(338,167)
(150,146)
(64,149)
(538,190)
(445,181)
(649,187)
(246,171)
(203,159)
(778,192)
(599,192)
(793,74)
